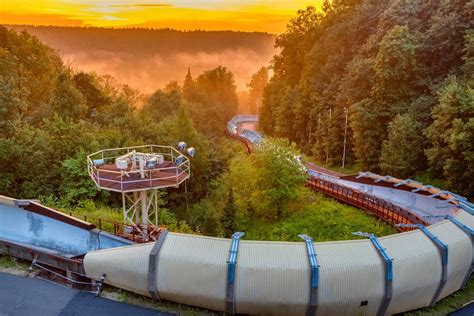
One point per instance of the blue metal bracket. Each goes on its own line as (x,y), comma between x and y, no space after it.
(417,190)
(384,178)
(234,248)
(449,200)
(402,182)
(466,229)
(313,263)
(362,175)
(443,251)
(388,270)
(466,206)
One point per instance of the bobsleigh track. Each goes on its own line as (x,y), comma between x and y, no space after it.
(431,258)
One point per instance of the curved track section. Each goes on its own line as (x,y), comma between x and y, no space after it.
(370,276)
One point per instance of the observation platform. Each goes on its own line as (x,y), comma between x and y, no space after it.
(140,168)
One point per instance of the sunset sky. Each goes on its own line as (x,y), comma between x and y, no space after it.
(244,15)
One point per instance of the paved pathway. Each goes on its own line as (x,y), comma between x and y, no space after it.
(21,296)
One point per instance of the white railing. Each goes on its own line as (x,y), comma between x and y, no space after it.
(148,178)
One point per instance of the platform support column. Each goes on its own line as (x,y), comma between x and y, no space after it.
(124,206)
(143,196)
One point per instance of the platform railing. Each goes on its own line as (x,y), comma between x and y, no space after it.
(103,176)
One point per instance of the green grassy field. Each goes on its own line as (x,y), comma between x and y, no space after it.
(324,220)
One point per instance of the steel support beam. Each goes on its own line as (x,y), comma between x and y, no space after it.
(234,249)
(313,263)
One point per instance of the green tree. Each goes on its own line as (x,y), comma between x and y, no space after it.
(257,85)
(189,88)
(68,101)
(94,97)
(266,182)
(398,80)
(402,153)
(228,217)
(161,104)
(452,136)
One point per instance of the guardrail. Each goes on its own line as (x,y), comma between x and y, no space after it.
(121,180)
(382,209)
(129,232)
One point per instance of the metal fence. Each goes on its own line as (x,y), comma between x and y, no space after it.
(380,208)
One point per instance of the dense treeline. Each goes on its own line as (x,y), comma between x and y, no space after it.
(404,72)
(53,116)
(146,42)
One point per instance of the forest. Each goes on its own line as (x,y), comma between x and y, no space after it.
(401,72)
(53,116)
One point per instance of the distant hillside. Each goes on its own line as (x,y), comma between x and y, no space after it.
(148,59)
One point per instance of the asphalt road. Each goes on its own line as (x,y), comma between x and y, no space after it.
(21,296)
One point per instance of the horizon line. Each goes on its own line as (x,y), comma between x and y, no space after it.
(136,27)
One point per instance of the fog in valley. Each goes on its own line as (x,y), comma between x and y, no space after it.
(148,59)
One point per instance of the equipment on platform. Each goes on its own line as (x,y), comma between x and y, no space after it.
(137,173)
(182,146)
(191,152)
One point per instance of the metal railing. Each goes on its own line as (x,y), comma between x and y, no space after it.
(103,177)
(378,207)
(127,231)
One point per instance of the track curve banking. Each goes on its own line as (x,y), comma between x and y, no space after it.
(373,276)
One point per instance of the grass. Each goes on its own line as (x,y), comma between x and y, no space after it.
(7,262)
(351,169)
(324,219)
(427,177)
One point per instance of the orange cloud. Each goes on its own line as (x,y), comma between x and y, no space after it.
(143,5)
(39,19)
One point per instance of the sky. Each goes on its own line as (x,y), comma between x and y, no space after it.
(238,15)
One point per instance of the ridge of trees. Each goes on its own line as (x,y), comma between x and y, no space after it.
(146,41)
